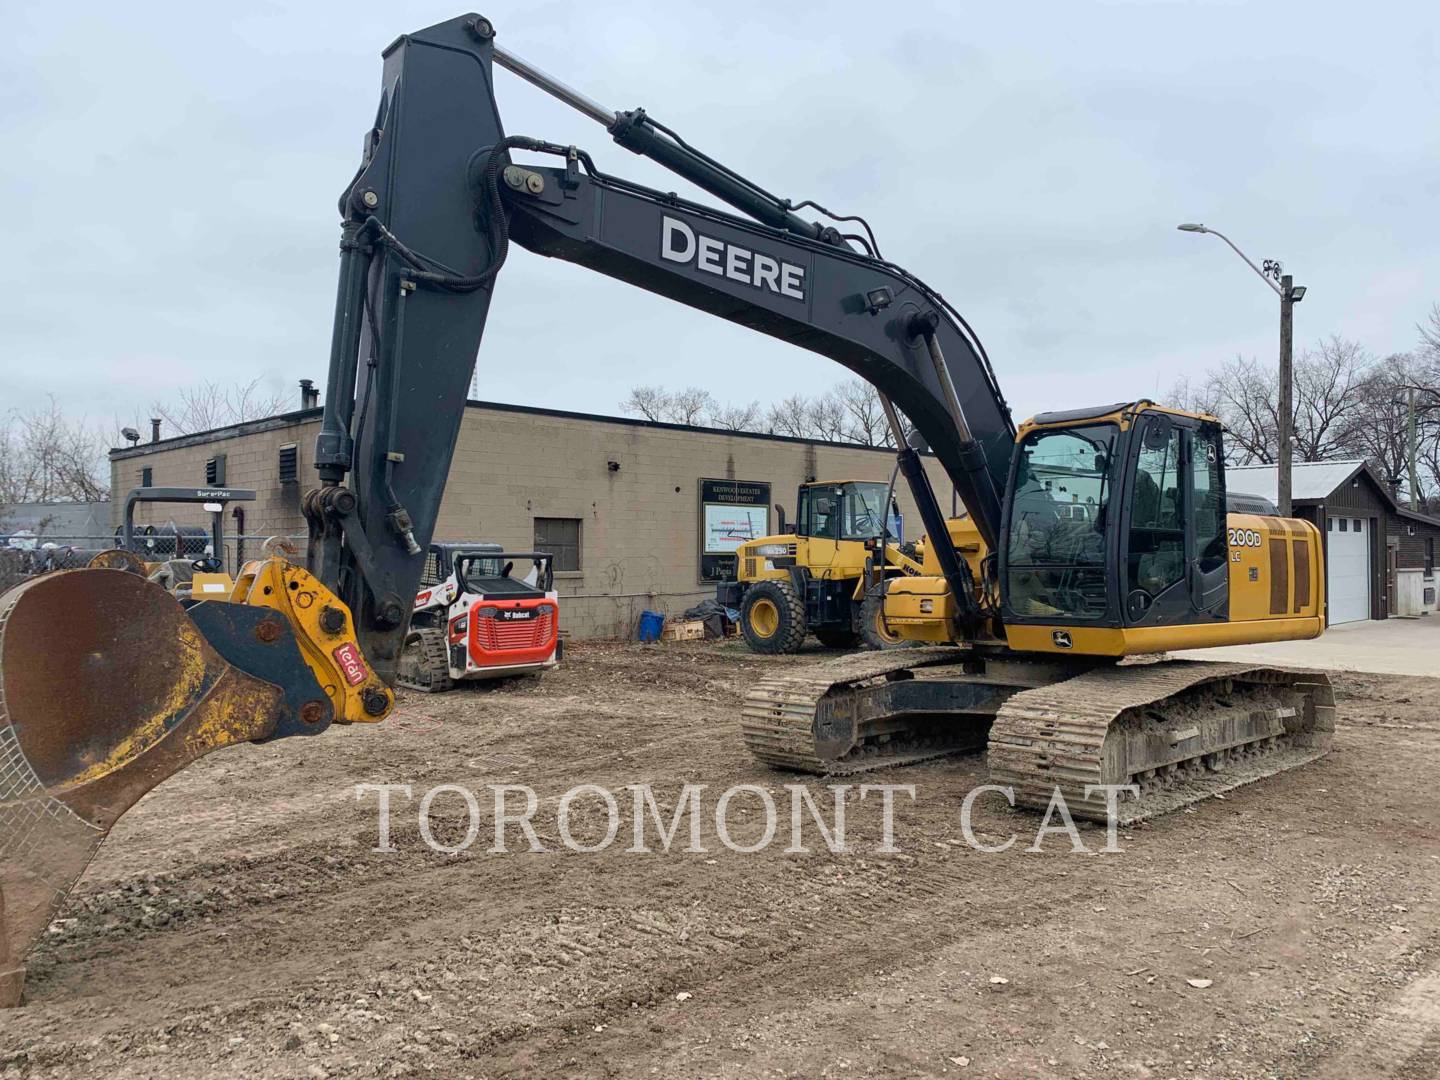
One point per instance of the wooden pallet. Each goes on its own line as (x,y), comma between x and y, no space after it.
(689,630)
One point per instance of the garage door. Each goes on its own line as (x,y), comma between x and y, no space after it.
(1348,569)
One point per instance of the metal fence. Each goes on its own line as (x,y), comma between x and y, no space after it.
(25,556)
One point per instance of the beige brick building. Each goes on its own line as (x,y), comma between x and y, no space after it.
(529,478)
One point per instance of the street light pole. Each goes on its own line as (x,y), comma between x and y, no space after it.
(1286,405)
(1410,420)
(1290,294)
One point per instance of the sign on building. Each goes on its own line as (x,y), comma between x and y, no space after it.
(732,512)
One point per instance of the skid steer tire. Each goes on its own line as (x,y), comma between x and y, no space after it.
(425,663)
(835,637)
(873,631)
(772,618)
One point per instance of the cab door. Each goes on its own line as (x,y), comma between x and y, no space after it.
(1173,564)
(1208,554)
(821,510)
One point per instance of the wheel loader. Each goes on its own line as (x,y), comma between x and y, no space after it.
(1033,612)
(826,576)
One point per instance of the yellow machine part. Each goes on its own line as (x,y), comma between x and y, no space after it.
(1277,593)
(921,609)
(205,586)
(108,687)
(325,632)
(832,560)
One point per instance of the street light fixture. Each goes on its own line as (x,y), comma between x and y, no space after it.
(1290,294)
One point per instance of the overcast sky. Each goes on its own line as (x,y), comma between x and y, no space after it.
(170,176)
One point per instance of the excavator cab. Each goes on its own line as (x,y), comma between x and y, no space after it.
(1115,539)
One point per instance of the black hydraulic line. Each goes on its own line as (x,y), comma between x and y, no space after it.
(873,244)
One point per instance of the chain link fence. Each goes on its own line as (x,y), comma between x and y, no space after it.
(24,555)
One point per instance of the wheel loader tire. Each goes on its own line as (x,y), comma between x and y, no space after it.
(772,618)
(835,637)
(425,662)
(873,631)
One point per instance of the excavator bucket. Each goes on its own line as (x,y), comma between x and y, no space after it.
(107,687)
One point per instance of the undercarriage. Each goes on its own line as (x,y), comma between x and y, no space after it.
(1172,731)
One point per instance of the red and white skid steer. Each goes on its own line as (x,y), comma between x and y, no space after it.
(481,613)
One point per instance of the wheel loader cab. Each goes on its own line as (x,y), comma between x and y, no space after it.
(1115,539)
(853,510)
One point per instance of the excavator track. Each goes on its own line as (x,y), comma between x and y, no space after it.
(424,663)
(784,718)
(1181,731)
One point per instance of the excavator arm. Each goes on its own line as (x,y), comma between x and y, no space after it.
(428,220)
(108,685)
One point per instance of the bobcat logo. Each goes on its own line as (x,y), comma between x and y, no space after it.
(1061,638)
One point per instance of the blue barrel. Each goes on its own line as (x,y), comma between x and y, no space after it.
(651,623)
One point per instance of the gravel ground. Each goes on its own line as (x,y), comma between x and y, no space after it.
(239,921)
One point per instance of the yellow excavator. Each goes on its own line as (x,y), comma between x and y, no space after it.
(1093,536)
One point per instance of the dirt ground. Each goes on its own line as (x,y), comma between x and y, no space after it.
(239,923)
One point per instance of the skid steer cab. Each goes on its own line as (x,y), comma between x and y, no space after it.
(482,613)
(827,575)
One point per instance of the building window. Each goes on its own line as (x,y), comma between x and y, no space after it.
(559,537)
(147,477)
(1344,524)
(1429,555)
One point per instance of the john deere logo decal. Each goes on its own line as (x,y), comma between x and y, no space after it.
(1061,639)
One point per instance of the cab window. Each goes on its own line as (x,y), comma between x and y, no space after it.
(820,510)
(864,511)
(1156,553)
(1055,548)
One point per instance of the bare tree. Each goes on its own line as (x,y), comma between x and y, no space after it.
(47,457)
(647,402)
(212,405)
(690,406)
(865,419)
(826,418)
(1243,395)
(789,416)
(1430,331)
(849,412)
(735,417)
(1329,397)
